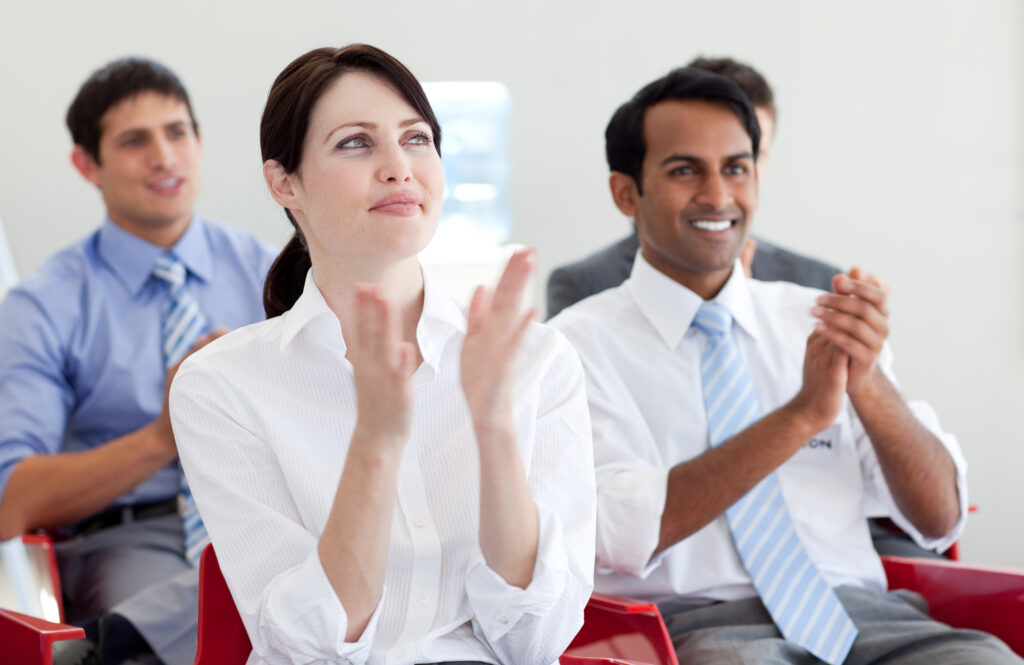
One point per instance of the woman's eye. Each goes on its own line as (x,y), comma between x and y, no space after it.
(354,142)
(420,139)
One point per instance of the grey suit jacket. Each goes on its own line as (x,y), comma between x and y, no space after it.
(611,266)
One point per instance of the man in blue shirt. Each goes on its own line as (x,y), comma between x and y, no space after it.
(86,446)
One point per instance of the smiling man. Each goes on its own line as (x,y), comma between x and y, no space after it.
(744,431)
(88,345)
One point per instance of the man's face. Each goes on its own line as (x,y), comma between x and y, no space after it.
(699,192)
(148,169)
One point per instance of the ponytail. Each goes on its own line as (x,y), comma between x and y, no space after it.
(286,277)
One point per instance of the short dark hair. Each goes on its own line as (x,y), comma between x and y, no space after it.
(116,81)
(750,81)
(283,130)
(625,147)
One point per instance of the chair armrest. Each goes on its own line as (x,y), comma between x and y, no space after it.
(609,603)
(986,598)
(584,660)
(622,628)
(30,640)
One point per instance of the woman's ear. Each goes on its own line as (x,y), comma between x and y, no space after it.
(279,183)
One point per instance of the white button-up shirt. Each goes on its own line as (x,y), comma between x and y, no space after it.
(642,360)
(263,418)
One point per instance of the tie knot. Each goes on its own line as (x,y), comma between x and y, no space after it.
(713,319)
(169,269)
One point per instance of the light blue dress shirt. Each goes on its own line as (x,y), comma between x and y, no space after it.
(80,356)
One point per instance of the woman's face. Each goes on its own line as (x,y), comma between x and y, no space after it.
(370,183)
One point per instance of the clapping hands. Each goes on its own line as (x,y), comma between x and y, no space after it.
(495,330)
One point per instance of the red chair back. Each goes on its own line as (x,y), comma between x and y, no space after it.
(616,627)
(222,639)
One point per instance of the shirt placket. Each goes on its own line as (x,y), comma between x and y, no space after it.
(426,567)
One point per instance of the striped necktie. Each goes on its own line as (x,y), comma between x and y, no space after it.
(804,607)
(183,324)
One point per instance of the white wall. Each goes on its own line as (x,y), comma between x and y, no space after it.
(900,148)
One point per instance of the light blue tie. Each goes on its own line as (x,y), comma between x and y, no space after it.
(183,324)
(804,607)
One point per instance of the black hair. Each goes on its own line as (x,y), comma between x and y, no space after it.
(625,147)
(109,85)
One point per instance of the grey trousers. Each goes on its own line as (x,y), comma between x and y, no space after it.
(138,570)
(894,628)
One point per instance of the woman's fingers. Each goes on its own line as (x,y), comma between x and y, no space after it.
(508,295)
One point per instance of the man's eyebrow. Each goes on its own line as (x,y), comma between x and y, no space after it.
(680,158)
(132,131)
(370,125)
(671,159)
(740,155)
(145,130)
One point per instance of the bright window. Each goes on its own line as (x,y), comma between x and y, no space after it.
(474,149)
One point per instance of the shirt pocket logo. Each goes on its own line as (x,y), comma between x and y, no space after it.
(824,442)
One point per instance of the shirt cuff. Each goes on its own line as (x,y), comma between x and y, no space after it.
(497,605)
(629,510)
(303,618)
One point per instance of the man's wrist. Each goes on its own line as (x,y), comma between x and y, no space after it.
(871,390)
(803,419)
(158,438)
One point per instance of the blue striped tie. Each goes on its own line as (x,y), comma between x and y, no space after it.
(804,607)
(183,324)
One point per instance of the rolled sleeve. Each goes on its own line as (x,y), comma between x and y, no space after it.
(269,559)
(499,606)
(35,398)
(301,612)
(632,477)
(629,508)
(535,624)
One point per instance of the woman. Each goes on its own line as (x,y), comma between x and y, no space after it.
(414,485)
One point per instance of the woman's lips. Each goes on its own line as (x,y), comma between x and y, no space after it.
(403,204)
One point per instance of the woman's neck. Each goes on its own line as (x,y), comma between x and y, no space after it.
(401,283)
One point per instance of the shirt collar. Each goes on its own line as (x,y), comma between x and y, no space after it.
(671,307)
(193,250)
(310,310)
(441,316)
(131,258)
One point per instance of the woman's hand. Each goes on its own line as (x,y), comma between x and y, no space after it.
(382,364)
(494,332)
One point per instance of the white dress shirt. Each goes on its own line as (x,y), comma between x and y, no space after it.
(263,418)
(642,361)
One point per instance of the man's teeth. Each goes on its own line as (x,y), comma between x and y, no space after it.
(709,225)
(164,184)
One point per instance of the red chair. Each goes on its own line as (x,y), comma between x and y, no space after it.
(984,598)
(29,640)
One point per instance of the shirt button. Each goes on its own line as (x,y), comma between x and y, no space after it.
(419,522)
(503,619)
(400,652)
(424,598)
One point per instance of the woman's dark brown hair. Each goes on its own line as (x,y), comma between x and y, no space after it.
(283,133)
